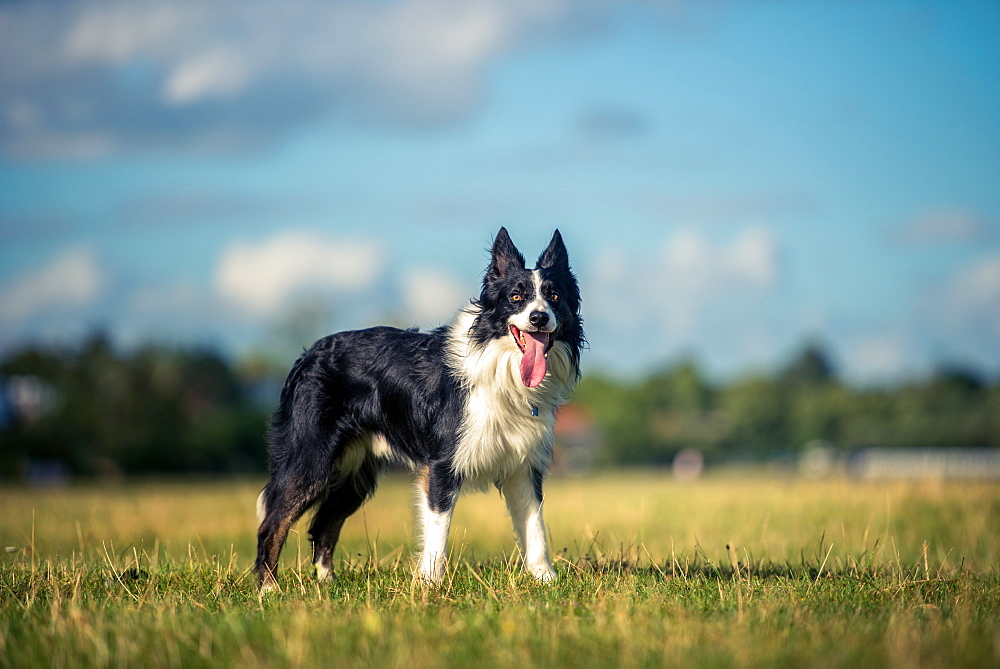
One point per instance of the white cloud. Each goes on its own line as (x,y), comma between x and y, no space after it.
(969,302)
(167,300)
(182,71)
(694,293)
(432,296)
(943,225)
(692,274)
(692,261)
(878,357)
(72,279)
(259,277)
(216,74)
(958,320)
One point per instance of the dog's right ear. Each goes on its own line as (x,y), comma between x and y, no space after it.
(506,258)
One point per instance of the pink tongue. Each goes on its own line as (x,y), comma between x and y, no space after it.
(533,362)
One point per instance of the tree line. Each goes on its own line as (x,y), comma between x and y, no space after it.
(759,417)
(94,410)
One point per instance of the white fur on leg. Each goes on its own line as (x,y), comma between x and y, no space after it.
(526,515)
(261,507)
(322,572)
(434,528)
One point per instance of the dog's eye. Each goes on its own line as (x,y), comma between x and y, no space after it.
(515,297)
(554,297)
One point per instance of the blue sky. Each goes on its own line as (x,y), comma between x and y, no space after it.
(732,179)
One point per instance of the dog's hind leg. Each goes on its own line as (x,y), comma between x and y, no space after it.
(340,503)
(523,494)
(283,502)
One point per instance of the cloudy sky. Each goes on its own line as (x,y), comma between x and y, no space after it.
(732,178)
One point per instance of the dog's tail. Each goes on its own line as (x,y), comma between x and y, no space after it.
(261,506)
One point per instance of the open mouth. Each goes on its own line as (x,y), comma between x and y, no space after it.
(534,347)
(543,338)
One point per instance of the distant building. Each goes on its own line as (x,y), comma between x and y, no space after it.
(576,440)
(25,399)
(933,463)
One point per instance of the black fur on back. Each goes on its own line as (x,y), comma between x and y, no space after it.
(350,384)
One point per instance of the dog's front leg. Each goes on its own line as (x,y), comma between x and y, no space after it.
(437,489)
(523,494)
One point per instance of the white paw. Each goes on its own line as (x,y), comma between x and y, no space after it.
(430,580)
(431,572)
(543,572)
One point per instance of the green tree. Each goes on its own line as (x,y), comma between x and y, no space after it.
(155,409)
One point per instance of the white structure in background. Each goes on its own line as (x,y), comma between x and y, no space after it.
(819,460)
(913,463)
(688,465)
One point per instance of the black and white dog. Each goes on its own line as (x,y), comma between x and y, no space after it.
(467,405)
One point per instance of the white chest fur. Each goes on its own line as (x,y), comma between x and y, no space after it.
(500,430)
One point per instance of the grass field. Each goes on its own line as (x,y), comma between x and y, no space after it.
(738,569)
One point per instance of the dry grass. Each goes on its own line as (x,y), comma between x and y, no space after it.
(734,569)
(773,518)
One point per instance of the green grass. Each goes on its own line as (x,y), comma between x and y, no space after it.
(734,569)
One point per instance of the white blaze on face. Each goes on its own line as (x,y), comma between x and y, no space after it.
(533,340)
(521,320)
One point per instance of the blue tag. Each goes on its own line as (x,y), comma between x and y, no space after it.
(534,410)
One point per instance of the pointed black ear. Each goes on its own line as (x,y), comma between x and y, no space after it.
(506,257)
(555,256)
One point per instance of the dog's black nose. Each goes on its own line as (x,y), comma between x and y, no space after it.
(538,318)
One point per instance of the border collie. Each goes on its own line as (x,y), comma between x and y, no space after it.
(464,406)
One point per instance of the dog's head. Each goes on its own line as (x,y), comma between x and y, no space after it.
(532,309)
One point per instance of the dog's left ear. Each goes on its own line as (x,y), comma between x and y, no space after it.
(555,256)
